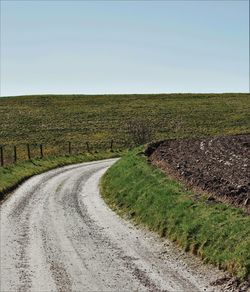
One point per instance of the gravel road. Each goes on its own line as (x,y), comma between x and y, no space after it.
(57,234)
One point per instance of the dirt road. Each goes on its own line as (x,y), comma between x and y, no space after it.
(57,234)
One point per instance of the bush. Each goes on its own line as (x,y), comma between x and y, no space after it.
(139,132)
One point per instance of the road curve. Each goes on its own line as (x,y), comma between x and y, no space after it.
(57,234)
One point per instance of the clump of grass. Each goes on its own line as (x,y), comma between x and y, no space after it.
(217,233)
(11,176)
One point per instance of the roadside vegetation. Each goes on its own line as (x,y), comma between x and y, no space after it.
(217,233)
(53,120)
(11,176)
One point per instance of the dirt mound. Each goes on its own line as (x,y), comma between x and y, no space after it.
(219,166)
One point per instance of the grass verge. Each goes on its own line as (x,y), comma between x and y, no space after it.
(219,234)
(11,176)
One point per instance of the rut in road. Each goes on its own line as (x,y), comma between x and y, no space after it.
(57,234)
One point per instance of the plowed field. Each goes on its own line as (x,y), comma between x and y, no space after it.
(219,166)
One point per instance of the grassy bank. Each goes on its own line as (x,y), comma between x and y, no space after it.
(217,233)
(55,119)
(11,176)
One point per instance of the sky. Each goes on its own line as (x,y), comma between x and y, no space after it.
(102,47)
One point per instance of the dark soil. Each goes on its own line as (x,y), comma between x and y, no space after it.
(219,166)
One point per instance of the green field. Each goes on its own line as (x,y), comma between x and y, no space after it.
(217,233)
(54,120)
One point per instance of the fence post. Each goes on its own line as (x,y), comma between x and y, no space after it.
(1,151)
(111,145)
(15,154)
(69,148)
(28,151)
(87,143)
(41,150)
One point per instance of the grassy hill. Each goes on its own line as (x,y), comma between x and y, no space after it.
(55,119)
(210,231)
(216,232)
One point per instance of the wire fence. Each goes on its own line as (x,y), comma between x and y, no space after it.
(11,154)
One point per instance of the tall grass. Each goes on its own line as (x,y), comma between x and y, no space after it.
(217,233)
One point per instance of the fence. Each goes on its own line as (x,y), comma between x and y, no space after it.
(10,154)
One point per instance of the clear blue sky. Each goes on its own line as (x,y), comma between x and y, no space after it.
(124,47)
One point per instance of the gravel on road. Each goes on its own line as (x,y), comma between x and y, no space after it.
(57,234)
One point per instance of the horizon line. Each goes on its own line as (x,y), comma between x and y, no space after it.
(102,94)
